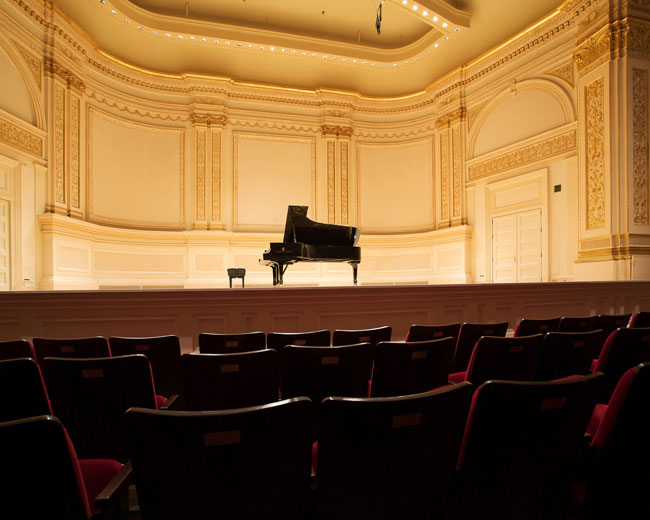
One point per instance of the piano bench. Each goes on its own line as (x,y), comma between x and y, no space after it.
(236,272)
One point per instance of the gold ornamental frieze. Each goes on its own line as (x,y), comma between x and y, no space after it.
(336,131)
(595,50)
(640,171)
(20,138)
(564,72)
(56,69)
(595,154)
(208,120)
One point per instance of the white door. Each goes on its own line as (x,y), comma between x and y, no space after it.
(5,275)
(517,247)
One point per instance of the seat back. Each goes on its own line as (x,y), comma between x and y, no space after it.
(164,354)
(352,337)
(42,474)
(577,324)
(91,395)
(610,322)
(221,381)
(624,348)
(640,320)
(210,343)
(319,372)
(389,458)
(428,332)
(19,348)
(402,368)
(315,338)
(467,338)
(71,348)
(521,446)
(619,478)
(567,353)
(528,327)
(23,389)
(247,463)
(510,359)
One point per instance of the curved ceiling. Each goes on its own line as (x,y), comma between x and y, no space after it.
(305,43)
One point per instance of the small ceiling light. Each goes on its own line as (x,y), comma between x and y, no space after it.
(363,63)
(180,36)
(281,50)
(394,64)
(304,54)
(354,61)
(261,47)
(102,1)
(127,21)
(155,33)
(425,13)
(192,38)
(272,49)
(456,29)
(238,44)
(415,7)
(435,45)
(113,11)
(427,52)
(217,41)
(445,24)
(313,54)
(204,40)
(345,60)
(417,58)
(334,57)
(250,45)
(374,64)
(404,2)
(324,57)
(168,35)
(446,38)
(293,51)
(141,28)
(435,18)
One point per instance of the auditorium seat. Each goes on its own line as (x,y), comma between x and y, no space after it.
(314,338)
(96,346)
(411,367)
(91,395)
(246,463)
(428,332)
(468,335)
(610,322)
(319,372)
(495,357)
(617,477)
(372,336)
(23,390)
(577,324)
(44,479)
(389,458)
(19,348)
(520,449)
(528,327)
(233,343)
(220,381)
(164,354)
(623,349)
(567,353)
(640,320)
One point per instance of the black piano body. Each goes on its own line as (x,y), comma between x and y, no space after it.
(308,241)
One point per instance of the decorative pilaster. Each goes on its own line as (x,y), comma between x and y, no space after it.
(337,140)
(595,154)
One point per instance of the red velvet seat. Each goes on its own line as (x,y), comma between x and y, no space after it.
(510,359)
(411,367)
(528,327)
(640,320)
(211,343)
(577,324)
(428,332)
(23,390)
(351,337)
(44,478)
(91,395)
(567,353)
(19,348)
(221,381)
(314,338)
(389,458)
(468,336)
(71,348)
(623,349)
(521,448)
(248,463)
(164,354)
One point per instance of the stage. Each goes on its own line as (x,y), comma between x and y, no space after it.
(187,312)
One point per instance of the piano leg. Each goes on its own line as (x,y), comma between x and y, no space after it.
(354,272)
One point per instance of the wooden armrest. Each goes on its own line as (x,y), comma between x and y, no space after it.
(169,404)
(116,489)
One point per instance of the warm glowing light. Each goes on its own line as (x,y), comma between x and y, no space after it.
(445,24)
(435,18)
(404,2)
(168,35)
(435,45)
(425,13)
(127,21)
(113,11)
(141,28)
(250,45)
(457,29)
(272,49)
(354,61)
(415,7)
(180,36)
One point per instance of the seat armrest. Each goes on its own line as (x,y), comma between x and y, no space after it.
(115,493)
(169,404)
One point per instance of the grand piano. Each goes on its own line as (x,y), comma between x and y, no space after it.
(308,241)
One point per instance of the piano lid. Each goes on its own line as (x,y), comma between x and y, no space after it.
(299,228)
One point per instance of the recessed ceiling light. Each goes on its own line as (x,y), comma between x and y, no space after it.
(404,2)
(324,57)
(261,47)
(250,45)
(415,7)
(394,64)
(354,61)
(427,52)
(113,11)
(127,21)
(180,36)
(192,38)
(155,33)
(204,40)
(446,38)
(102,1)
(313,54)
(445,24)
(293,51)
(363,63)
(272,49)
(345,59)
(141,28)
(238,44)
(435,45)
(217,41)
(374,64)
(168,35)
(425,13)
(281,50)
(435,18)
(457,29)
(304,54)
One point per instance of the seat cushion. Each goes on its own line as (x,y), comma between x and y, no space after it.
(457,377)
(596,418)
(160,401)
(96,474)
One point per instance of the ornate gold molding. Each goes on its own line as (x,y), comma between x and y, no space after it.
(22,139)
(473,113)
(336,131)
(208,119)
(331,185)
(640,215)
(528,154)
(59,139)
(216,175)
(74,162)
(344,183)
(595,50)
(450,118)
(595,154)
(444,175)
(564,72)
(54,68)
(35,65)
(456,161)
(200,176)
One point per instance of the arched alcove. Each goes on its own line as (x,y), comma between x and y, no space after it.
(14,94)
(530,109)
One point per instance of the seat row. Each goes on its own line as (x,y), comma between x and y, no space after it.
(504,450)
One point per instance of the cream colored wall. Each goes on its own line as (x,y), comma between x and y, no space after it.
(127,178)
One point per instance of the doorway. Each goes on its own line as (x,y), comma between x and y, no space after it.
(517,247)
